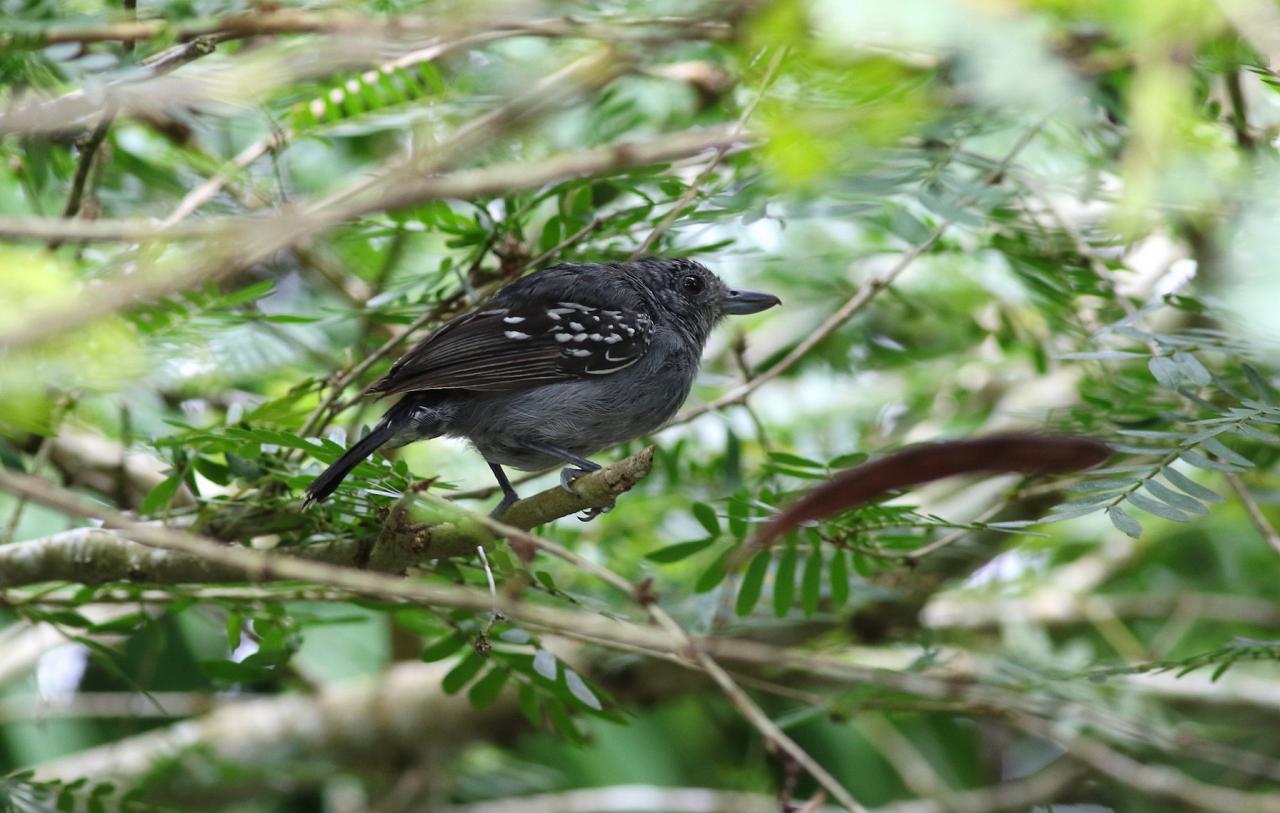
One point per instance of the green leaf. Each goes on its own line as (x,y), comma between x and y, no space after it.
(784,580)
(527,699)
(485,690)
(561,720)
(796,461)
(713,575)
(678,551)
(846,461)
(1124,522)
(1180,501)
(515,635)
(753,582)
(1228,455)
(1166,372)
(811,582)
(1258,382)
(461,674)
(235,627)
(1158,508)
(159,496)
(1255,434)
(1190,486)
(1201,462)
(739,515)
(838,574)
(545,664)
(706,516)
(580,691)
(443,648)
(1191,370)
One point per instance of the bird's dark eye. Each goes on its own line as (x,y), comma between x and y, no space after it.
(693,284)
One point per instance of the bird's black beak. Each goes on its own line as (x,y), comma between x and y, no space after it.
(738,302)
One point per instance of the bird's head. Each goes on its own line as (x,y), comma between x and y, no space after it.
(692,296)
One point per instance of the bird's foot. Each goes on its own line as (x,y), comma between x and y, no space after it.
(588,514)
(570,474)
(567,478)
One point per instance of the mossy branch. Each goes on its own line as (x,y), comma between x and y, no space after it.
(98,556)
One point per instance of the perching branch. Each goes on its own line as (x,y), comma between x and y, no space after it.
(98,556)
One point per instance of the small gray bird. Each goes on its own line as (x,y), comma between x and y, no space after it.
(557,366)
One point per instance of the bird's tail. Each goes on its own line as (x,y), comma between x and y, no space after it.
(328,481)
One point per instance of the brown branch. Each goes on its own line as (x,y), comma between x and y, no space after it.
(259,565)
(97,556)
(1239,110)
(254,564)
(1056,605)
(250,240)
(88,151)
(392,713)
(302,21)
(1160,781)
(1017,794)
(153,91)
(86,459)
(1258,519)
(278,138)
(691,648)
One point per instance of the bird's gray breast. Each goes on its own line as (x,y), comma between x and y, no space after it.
(581,416)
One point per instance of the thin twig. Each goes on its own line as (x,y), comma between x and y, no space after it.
(88,151)
(1239,110)
(1160,781)
(857,302)
(755,715)
(695,187)
(310,21)
(256,239)
(257,565)
(1264,527)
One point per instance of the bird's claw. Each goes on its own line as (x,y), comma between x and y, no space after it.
(567,478)
(588,514)
(568,475)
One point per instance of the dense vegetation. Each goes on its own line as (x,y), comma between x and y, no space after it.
(223,220)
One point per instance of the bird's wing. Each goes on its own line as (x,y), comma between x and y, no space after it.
(511,345)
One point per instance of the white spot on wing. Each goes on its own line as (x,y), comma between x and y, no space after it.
(513,320)
(563,337)
(576,326)
(515,334)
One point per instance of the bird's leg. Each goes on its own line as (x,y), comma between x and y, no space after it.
(509,495)
(569,474)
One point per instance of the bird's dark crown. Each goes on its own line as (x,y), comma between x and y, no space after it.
(683,289)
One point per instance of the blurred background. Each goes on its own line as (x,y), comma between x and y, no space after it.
(221,219)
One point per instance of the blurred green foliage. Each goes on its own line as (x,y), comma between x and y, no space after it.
(1089,188)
